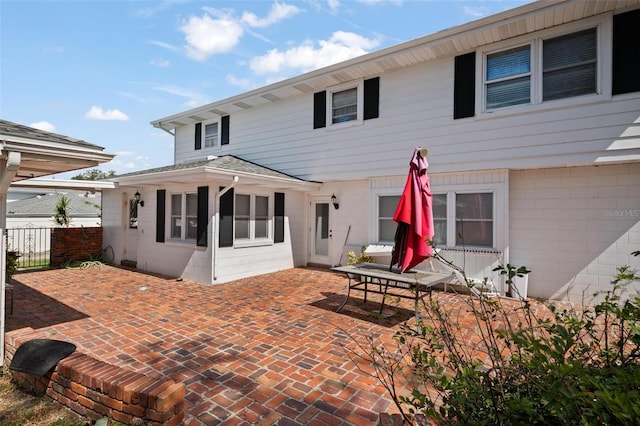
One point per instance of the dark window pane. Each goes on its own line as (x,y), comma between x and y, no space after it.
(508,63)
(569,65)
(509,92)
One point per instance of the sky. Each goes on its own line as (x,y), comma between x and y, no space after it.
(101,70)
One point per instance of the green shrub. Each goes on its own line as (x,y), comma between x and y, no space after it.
(560,367)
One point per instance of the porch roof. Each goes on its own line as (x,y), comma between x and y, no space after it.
(215,168)
(32,153)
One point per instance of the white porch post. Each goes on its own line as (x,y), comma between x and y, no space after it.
(12,164)
(3,269)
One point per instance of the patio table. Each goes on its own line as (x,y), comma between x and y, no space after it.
(378,279)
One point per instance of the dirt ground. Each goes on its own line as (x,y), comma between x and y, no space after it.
(18,408)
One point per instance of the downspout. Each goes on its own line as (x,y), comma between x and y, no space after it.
(216,234)
(6,177)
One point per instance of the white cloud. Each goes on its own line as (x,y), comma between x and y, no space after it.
(334,5)
(206,36)
(278,12)
(308,56)
(97,113)
(243,83)
(164,45)
(43,125)
(397,2)
(162,63)
(194,99)
(53,49)
(475,11)
(219,31)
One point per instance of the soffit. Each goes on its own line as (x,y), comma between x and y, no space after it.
(516,22)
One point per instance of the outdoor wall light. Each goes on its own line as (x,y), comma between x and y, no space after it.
(334,201)
(138,197)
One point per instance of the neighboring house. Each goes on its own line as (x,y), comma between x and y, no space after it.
(29,220)
(37,211)
(531,119)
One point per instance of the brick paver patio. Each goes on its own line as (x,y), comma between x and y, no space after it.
(264,350)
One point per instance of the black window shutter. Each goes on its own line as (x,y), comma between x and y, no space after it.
(626,51)
(226,219)
(203,216)
(278,212)
(319,110)
(371,98)
(198,136)
(464,86)
(160,214)
(224,138)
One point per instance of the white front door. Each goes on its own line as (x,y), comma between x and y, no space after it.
(321,233)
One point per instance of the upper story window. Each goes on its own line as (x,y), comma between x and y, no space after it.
(344,106)
(569,65)
(184,216)
(543,70)
(211,135)
(215,134)
(348,103)
(508,77)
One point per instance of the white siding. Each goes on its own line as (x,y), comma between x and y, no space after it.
(185,259)
(565,174)
(573,226)
(416,110)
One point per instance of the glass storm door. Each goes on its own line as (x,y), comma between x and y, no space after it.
(320,231)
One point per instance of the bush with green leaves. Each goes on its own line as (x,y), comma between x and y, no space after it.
(62,212)
(527,362)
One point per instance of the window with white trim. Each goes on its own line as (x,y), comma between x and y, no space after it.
(251,217)
(345,104)
(474,219)
(440,219)
(460,219)
(386,226)
(211,135)
(184,216)
(545,69)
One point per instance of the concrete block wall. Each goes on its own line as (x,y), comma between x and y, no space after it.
(96,389)
(574,226)
(75,244)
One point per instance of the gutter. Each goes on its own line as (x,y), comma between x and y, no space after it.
(6,177)
(216,222)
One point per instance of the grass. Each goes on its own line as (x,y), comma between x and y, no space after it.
(19,408)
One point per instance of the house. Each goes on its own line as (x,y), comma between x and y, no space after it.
(37,210)
(30,153)
(30,218)
(531,118)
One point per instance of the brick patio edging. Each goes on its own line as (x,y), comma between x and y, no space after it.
(96,389)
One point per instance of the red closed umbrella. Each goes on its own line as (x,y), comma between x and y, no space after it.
(414,216)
